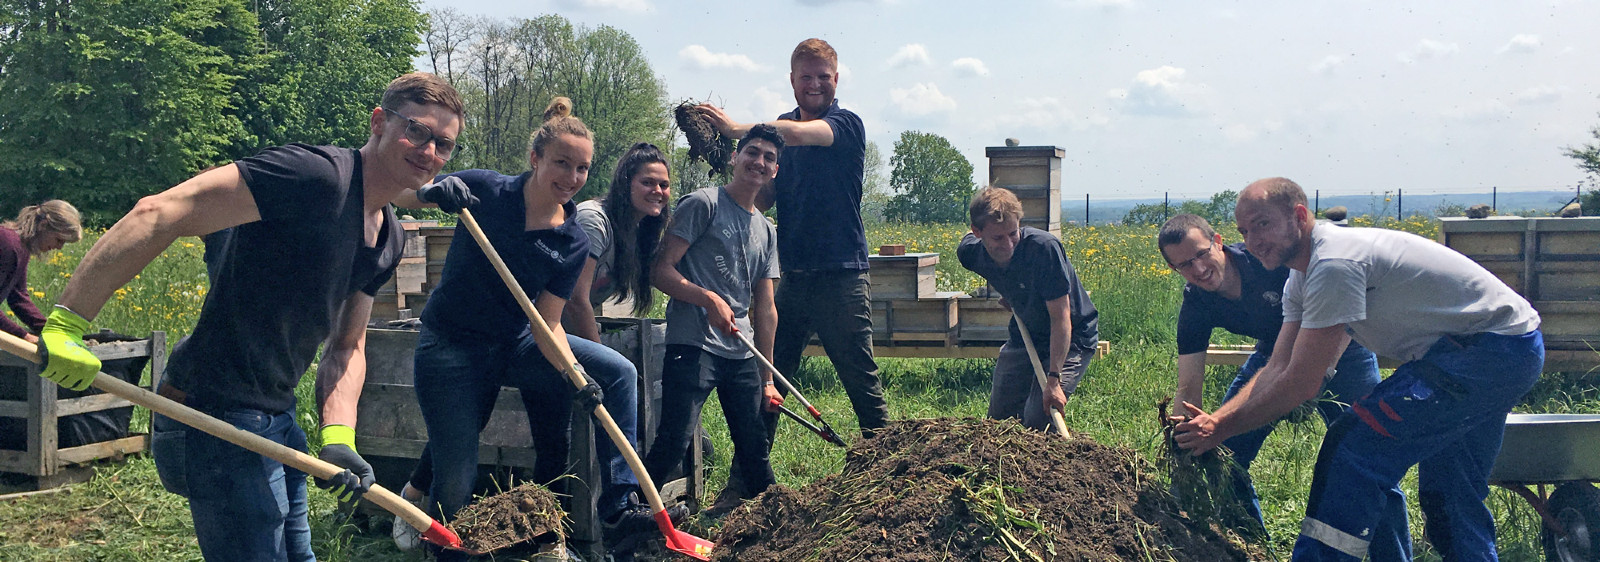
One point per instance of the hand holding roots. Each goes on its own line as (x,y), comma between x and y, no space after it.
(1204,484)
(705,141)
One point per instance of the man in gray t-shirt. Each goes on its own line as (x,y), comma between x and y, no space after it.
(1472,348)
(717,262)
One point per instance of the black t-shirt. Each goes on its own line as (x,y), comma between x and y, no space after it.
(1258,313)
(471,299)
(1039,271)
(819,198)
(277,284)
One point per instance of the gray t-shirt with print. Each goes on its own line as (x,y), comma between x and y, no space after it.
(1399,292)
(592,219)
(729,248)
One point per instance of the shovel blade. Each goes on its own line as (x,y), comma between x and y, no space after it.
(681,542)
(442,536)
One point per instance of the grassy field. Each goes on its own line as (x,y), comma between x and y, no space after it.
(123,514)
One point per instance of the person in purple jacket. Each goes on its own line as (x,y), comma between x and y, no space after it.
(37,230)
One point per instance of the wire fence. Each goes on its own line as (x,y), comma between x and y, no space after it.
(1398,203)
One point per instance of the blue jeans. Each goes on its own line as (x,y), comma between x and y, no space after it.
(1445,413)
(457,381)
(1355,375)
(245,506)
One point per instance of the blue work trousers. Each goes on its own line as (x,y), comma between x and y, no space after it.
(1355,375)
(458,380)
(246,507)
(1445,413)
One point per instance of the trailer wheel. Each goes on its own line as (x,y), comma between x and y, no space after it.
(1577,506)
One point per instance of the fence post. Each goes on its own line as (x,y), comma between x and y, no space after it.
(1086,209)
(1317,206)
(1494,198)
(1399,204)
(1164,197)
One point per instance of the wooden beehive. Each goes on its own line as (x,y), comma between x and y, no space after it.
(1552,262)
(1034,174)
(409,274)
(906,276)
(930,319)
(982,320)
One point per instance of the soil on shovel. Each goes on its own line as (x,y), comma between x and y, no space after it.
(969,489)
(512,517)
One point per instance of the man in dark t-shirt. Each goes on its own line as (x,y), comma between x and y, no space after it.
(312,239)
(1037,282)
(1230,289)
(822,243)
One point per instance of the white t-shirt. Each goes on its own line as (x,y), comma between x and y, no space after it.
(1399,292)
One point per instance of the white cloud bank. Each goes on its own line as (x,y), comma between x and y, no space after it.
(921,100)
(701,58)
(969,66)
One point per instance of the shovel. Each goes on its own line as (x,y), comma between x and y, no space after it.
(557,352)
(827,431)
(431,530)
(1038,372)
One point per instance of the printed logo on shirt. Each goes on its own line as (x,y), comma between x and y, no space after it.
(1273,298)
(546,249)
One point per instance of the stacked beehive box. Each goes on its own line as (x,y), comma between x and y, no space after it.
(907,308)
(390,302)
(1553,262)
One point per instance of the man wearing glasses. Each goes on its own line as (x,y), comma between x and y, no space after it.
(1230,289)
(309,238)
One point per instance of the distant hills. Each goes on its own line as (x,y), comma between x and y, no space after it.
(1519,202)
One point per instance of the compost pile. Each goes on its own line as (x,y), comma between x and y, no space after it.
(512,517)
(705,142)
(968,489)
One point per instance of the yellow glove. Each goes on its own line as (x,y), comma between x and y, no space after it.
(66,360)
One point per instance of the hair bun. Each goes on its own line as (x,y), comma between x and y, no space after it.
(559,107)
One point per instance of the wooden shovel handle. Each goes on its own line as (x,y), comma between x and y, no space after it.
(227,432)
(560,355)
(1038,372)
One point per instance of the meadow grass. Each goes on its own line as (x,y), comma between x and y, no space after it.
(123,515)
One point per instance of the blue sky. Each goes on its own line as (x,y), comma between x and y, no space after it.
(1145,97)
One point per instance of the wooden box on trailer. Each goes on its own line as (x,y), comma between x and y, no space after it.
(905,276)
(1553,262)
(42,460)
(926,320)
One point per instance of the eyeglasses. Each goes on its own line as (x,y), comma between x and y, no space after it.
(420,135)
(1185,265)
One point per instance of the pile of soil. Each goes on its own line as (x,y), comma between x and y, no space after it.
(705,142)
(969,489)
(515,516)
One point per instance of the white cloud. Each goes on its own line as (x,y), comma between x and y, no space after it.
(1157,91)
(701,58)
(914,54)
(970,66)
(1478,111)
(1044,113)
(636,6)
(1537,95)
(1327,64)
(1521,43)
(769,103)
(1428,49)
(921,100)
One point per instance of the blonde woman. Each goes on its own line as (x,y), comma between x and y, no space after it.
(37,230)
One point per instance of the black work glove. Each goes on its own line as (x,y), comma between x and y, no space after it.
(339,450)
(450,194)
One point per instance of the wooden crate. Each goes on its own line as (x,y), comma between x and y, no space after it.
(907,276)
(43,462)
(409,275)
(1553,262)
(930,320)
(391,427)
(436,243)
(1034,174)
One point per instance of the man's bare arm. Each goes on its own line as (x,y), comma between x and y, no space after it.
(214,200)
(343,369)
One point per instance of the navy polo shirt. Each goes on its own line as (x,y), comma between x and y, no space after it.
(1039,271)
(471,299)
(819,198)
(1258,313)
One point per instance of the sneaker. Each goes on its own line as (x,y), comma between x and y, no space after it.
(556,552)
(405,537)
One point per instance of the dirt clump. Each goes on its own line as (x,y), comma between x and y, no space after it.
(705,141)
(970,489)
(512,517)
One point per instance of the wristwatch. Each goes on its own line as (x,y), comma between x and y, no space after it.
(1053,374)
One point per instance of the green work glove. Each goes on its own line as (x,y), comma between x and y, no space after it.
(339,448)
(65,359)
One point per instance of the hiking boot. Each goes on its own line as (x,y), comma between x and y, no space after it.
(727,501)
(405,537)
(637,519)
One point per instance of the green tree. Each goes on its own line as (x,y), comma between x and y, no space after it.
(1587,158)
(874,186)
(931,180)
(107,101)
(1218,210)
